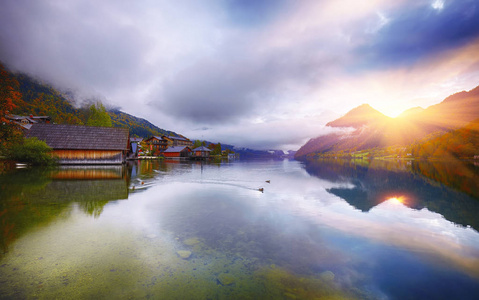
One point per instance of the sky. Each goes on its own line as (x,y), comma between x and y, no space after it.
(263,74)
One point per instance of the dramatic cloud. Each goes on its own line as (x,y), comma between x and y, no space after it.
(249,73)
(418,31)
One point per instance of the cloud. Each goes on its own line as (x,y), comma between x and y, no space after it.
(416,31)
(281,133)
(253,13)
(71,44)
(253,72)
(231,87)
(393,90)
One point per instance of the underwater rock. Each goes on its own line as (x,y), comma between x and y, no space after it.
(327,276)
(226,279)
(185,254)
(191,241)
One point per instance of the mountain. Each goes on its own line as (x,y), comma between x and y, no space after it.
(42,100)
(358,117)
(38,98)
(362,128)
(462,142)
(138,126)
(412,112)
(455,111)
(368,128)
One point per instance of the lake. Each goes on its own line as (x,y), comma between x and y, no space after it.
(327,229)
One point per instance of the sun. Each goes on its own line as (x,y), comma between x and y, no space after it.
(391,112)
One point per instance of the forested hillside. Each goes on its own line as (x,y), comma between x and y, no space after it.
(40,99)
(138,126)
(462,142)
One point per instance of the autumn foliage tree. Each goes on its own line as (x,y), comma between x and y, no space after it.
(9,94)
(99,116)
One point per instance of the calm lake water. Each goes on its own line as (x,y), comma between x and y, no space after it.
(170,230)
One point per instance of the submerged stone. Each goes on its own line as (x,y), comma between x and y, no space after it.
(191,241)
(327,276)
(185,254)
(226,279)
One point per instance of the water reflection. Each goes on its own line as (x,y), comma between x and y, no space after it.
(367,185)
(36,197)
(348,230)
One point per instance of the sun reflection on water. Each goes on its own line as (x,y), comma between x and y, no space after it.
(397,200)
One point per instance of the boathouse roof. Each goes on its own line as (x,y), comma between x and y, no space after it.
(179,138)
(175,149)
(78,137)
(202,148)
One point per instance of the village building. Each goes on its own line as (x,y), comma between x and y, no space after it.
(174,141)
(156,145)
(177,152)
(201,152)
(74,144)
(27,121)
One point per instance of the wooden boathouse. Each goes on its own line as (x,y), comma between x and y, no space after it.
(74,144)
(177,152)
(201,153)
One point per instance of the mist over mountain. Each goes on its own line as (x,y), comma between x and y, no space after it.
(39,98)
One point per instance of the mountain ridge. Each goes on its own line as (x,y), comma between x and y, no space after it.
(371,129)
(358,116)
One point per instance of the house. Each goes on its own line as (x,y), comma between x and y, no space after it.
(74,144)
(174,141)
(201,152)
(27,121)
(177,152)
(156,145)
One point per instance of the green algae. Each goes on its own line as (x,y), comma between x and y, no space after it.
(191,241)
(184,254)
(226,279)
(280,283)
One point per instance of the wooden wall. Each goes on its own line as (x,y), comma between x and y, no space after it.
(202,154)
(89,156)
(172,154)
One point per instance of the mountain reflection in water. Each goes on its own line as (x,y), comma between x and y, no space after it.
(439,187)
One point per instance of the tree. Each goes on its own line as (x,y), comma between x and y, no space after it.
(197,144)
(216,149)
(9,94)
(98,116)
(32,151)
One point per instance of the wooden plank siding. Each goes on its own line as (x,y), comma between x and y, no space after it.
(78,144)
(89,156)
(202,154)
